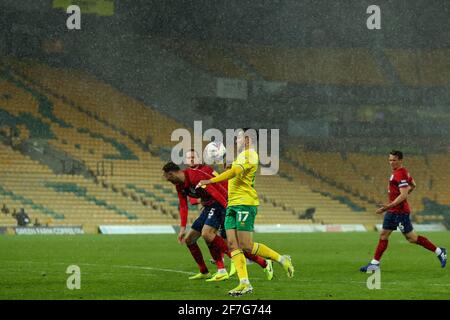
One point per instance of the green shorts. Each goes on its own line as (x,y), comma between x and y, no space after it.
(241,218)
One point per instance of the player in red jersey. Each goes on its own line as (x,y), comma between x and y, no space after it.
(211,219)
(401,184)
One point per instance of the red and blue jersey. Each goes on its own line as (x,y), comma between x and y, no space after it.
(400,178)
(213,193)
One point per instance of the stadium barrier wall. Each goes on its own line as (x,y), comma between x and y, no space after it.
(298,228)
(276,228)
(117,229)
(171,229)
(423,227)
(48,230)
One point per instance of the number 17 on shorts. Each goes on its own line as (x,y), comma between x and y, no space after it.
(241,218)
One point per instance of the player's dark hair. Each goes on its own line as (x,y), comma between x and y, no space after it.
(397,153)
(170,167)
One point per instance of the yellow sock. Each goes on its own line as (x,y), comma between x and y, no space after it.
(264,251)
(238,258)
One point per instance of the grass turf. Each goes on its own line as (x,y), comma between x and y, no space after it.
(157,267)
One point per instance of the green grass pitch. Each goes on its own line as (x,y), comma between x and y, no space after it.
(157,267)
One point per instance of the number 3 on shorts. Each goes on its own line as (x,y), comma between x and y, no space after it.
(242,213)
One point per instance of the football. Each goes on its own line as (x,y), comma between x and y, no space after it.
(214,153)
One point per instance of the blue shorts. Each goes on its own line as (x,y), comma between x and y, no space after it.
(213,216)
(393,220)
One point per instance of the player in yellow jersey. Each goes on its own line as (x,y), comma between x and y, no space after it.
(242,209)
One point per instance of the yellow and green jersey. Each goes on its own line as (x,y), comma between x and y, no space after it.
(241,188)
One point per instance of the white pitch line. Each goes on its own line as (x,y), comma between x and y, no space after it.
(142,268)
(106,265)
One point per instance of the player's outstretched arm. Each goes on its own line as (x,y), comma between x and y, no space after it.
(226,175)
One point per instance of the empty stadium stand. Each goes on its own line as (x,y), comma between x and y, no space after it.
(214,58)
(326,66)
(136,184)
(111,133)
(421,67)
(362,178)
(314,66)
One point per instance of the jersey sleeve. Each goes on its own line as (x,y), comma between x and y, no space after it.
(228,174)
(402,178)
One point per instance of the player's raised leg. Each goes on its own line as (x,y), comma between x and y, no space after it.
(266,264)
(246,216)
(260,249)
(441,253)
